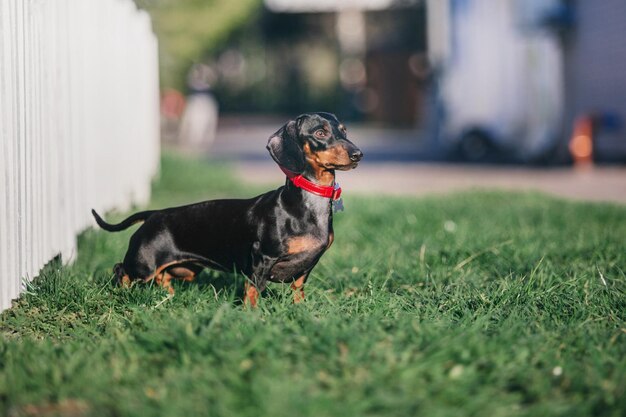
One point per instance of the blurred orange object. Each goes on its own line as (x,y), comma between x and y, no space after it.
(172,104)
(581,143)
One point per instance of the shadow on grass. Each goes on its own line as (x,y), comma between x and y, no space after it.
(228,283)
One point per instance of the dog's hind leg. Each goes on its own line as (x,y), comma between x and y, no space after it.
(251,296)
(121,277)
(164,274)
(164,280)
(160,269)
(184,273)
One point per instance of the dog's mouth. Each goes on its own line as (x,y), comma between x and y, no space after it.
(346,167)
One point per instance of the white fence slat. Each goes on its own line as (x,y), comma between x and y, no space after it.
(79,124)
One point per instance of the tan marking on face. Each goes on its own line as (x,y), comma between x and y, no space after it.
(321,162)
(300,244)
(335,156)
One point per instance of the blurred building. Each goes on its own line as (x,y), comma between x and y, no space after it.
(524,77)
(363,59)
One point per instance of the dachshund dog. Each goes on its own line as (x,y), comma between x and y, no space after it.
(278,236)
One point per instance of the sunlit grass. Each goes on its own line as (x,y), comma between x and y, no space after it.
(471,304)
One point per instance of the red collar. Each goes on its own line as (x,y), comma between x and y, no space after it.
(299,181)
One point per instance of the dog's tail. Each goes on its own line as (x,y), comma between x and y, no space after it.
(124,224)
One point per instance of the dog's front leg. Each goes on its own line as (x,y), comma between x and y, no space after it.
(298,288)
(261,269)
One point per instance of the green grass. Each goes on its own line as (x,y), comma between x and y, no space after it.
(485,304)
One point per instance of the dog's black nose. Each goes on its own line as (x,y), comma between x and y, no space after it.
(356,155)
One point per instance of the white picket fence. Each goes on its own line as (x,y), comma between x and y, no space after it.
(79,124)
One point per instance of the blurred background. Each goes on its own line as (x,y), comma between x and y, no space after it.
(533,81)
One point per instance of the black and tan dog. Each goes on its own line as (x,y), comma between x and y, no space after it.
(278,236)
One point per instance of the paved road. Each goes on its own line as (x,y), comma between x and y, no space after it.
(394,165)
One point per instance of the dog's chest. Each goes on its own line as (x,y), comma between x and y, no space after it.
(301,251)
(300,255)
(307,244)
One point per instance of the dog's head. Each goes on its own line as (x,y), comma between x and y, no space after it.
(317,141)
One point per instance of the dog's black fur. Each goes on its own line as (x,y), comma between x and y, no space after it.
(278,236)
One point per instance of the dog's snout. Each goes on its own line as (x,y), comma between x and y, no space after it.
(356,155)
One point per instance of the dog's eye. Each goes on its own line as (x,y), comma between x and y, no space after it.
(321,133)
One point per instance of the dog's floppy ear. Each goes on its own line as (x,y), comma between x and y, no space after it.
(285,150)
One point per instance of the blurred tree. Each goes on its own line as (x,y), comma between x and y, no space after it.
(190,29)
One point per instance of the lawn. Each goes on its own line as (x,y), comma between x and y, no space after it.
(479,303)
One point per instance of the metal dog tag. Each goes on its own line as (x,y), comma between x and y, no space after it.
(338,205)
